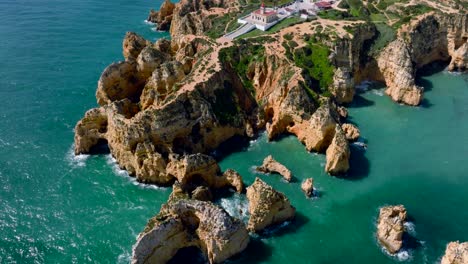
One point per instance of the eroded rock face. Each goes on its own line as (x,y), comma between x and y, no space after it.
(456,253)
(321,129)
(186,223)
(90,129)
(460,59)
(267,206)
(149,60)
(163,17)
(351,131)
(398,71)
(338,153)
(390,227)
(307,187)
(119,81)
(343,86)
(270,165)
(132,45)
(431,37)
(234,179)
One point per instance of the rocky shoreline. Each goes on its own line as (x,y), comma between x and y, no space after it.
(170,103)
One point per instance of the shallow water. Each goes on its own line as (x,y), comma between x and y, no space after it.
(55,207)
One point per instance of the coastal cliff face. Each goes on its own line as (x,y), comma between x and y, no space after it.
(143,122)
(431,37)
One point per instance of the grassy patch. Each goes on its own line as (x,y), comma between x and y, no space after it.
(313,59)
(386,35)
(240,57)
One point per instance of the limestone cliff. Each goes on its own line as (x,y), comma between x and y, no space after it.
(430,37)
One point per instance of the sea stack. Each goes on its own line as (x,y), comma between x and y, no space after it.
(307,187)
(390,227)
(270,165)
(267,206)
(456,253)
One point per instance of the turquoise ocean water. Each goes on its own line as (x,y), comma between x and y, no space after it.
(57,208)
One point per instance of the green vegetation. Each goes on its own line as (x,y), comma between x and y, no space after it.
(386,35)
(219,24)
(224,106)
(410,12)
(240,57)
(290,21)
(313,59)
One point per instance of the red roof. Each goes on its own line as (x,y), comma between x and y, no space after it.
(323,4)
(267,13)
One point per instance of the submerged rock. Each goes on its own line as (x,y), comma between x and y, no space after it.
(338,154)
(308,187)
(267,206)
(456,253)
(185,223)
(390,227)
(270,165)
(351,131)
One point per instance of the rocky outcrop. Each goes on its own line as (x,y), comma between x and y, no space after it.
(390,227)
(200,169)
(456,253)
(194,120)
(132,45)
(307,187)
(342,112)
(460,59)
(317,133)
(186,223)
(398,71)
(431,37)
(267,206)
(163,17)
(270,165)
(351,132)
(343,86)
(338,153)
(234,179)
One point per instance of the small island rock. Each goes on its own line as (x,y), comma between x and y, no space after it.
(267,206)
(456,253)
(270,165)
(390,227)
(308,187)
(351,131)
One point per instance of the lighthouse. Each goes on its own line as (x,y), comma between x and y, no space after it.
(262,8)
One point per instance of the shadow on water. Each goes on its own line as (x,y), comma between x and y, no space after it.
(257,251)
(360,101)
(232,145)
(359,164)
(188,255)
(285,228)
(101,148)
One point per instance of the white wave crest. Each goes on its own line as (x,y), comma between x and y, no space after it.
(236,206)
(149,22)
(76,161)
(410,228)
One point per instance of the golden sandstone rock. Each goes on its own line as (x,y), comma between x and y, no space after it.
(184,223)
(270,165)
(267,206)
(456,253)
(390,227)
(307,187)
